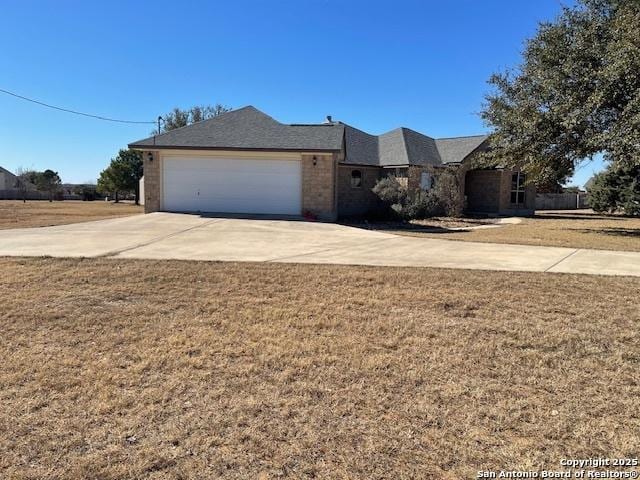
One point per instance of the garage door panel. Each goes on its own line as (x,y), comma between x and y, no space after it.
(233,185)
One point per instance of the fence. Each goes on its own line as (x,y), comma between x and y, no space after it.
(36,195)
(562,201)
(17,195)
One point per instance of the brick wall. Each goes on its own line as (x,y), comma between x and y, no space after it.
(489,191)
(506,208)
(318,185)
(357,201)
(413,178)
(151,170)
(482,189)
(414,175)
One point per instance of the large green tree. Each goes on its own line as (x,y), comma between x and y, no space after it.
(48,182)
(122,175)
(616,190)
(576,93)
(178,117)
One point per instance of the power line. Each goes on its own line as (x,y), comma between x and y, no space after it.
(72,111)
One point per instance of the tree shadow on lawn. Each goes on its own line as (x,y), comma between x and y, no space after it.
(619,232)
(579,216)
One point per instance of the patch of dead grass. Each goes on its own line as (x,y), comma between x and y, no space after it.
(141,369)
(39,213)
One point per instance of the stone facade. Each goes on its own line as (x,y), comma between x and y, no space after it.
(318,186)
(482,191)
(327,192)
(506,207)
(413,180)
(151,169)
(414,175)
(489,191)
(357,201)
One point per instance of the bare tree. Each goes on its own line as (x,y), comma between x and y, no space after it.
(447,190)
(24,177)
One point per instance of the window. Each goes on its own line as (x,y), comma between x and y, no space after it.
(517,188)
(426,181)
(400,172)
(356,179)
(397,172)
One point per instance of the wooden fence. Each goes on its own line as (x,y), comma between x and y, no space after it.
(562,201)
(14,194)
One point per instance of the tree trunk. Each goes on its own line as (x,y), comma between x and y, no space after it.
(116,197)
(137,192)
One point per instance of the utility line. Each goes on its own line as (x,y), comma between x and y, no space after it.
(72,111)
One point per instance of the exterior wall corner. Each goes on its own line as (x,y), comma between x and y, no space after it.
(152,179)
(319,186)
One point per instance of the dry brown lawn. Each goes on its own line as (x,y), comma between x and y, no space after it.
(40,213)
(175,370)
(577,229)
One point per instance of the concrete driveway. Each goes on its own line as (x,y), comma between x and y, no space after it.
(192,237)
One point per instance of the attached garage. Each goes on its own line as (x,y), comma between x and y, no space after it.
(231,184)
(243,162)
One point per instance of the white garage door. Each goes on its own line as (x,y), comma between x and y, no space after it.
(232,185)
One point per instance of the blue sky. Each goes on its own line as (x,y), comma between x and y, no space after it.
(375,65)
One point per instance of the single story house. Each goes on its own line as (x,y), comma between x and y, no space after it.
(12,188)
(244,161)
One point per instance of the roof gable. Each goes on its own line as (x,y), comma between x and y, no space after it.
(361,148)
(250,129)
(7,172)
(393,150)
(455,150)
(404,146)
(421,149)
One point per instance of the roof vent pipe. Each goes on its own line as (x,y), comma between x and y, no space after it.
(329,119)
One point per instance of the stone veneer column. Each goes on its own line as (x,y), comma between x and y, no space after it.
(318,185)
(151,170)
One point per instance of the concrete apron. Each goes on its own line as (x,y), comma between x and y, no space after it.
(192,237)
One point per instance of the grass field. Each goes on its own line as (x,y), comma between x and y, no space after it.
(576,228)
(174,370)
(40,213)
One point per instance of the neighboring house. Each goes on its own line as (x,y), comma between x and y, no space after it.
(77,191)
(68,191)
(244,161)
(9,189)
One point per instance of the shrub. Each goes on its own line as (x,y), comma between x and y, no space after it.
(390,190)
(616,189)
(404,205)
(447,191)
(392,193)
(424,205)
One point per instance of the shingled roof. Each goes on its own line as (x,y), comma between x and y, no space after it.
(361,148)
(403,147)
(250,129)
(454,150)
